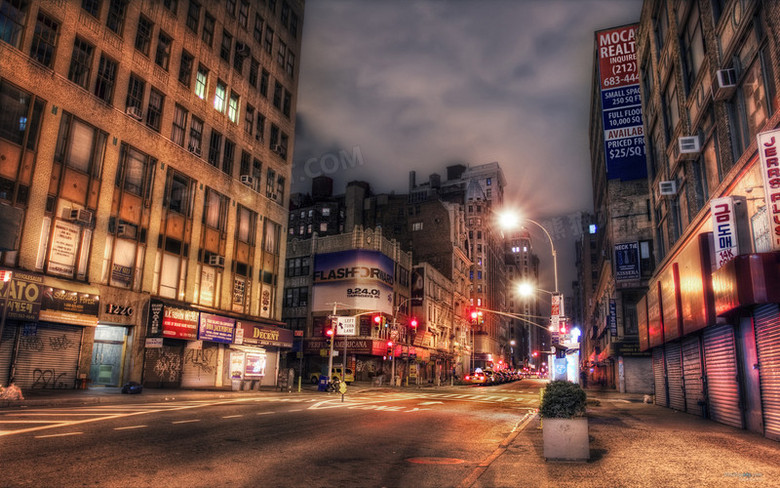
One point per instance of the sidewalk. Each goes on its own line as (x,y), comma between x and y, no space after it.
(634,444)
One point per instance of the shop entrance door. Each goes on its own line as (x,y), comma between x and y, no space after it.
(108,353)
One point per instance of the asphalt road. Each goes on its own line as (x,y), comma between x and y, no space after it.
(427,437)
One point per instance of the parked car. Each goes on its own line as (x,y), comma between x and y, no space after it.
(132,387)
(475,378)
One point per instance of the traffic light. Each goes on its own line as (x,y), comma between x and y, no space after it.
(563,328)
(389,349)
(413,324)
(379,320)
(474,316)
(535,354)
(480,317)
(329,336)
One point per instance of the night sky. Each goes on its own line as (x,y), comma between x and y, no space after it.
(391,86)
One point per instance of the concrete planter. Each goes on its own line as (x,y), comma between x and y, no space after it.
(566,439)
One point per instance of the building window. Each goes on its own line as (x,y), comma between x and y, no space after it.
(201,80)
(693,48)
(278,90)
(258,32)
(296,297)
(287,104)
(231,7)
(116,16)
(417,226)
(208,29)
(268,45)
(671,109)
(179,125)
(163,56)
(106,77)
(270,181)
(193,15)
(243,14)
(12,15)
(246,227)
(215,148)
(154,111)
(227,45)
(750,107)
(219,96)
(233,107)
(254,68)
(81,63)
(281,53)
(294,25)
(171,5)
(290,64)
(260,130)
(185,68)
(44,40)
(92,7)
(228,157)
(143,38)
(135,92)
(264,82)
(249,119)
(196,136)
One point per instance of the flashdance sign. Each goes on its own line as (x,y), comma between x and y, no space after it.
(359,279)
(621,105)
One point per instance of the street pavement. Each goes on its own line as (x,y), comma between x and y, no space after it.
(632,443)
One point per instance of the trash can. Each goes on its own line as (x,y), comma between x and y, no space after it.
(322,385)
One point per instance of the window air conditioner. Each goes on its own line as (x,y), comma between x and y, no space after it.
(666,188)
(134,112)
(247,180)
(688,147)
(217,260)
(724,84)
(126,230)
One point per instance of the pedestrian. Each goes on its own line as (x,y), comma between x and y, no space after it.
(584,378)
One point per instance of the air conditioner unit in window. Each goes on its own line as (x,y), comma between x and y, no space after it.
(724,84)
(194,148)
(134,112)
(79,216)
(125,230)
(242,49)
(247,180)
(688,147)
(666,188)
(217,260)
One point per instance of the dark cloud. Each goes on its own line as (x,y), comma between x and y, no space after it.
(415,85)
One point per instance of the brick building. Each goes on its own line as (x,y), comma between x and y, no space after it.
(147,148)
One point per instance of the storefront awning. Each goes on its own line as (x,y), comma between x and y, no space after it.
(747,280)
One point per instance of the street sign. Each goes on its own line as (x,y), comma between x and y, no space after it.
(346,326)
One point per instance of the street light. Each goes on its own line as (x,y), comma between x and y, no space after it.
(509,220)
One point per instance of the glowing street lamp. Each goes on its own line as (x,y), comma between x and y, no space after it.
(509,220)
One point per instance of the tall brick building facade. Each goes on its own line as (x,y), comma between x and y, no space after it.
(148,146)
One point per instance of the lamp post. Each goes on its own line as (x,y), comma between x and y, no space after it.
(395,328)
(509,220)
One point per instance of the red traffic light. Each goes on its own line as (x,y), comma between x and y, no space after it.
(474,314)
(413,323)
(389,343)
(377,319)
(535,354)
(329,332)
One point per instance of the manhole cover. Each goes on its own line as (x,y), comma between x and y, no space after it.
(435,460)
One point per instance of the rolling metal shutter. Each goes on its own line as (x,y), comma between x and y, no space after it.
(674,376)
(720,369)
(767,322)
(48,357)
(162,366)
(659,377)
(200,366)
(6,350)
(692,376)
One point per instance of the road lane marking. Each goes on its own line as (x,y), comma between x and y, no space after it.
(296,410)
(185,421)
(264,413)
(58,435)
(429,403)
(130,427)
(232,416)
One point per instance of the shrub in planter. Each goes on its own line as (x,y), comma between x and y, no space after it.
(562,400)
(565,427)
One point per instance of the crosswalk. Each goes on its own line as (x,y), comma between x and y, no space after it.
(40,419)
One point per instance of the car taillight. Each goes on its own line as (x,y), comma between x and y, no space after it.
(468,377)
